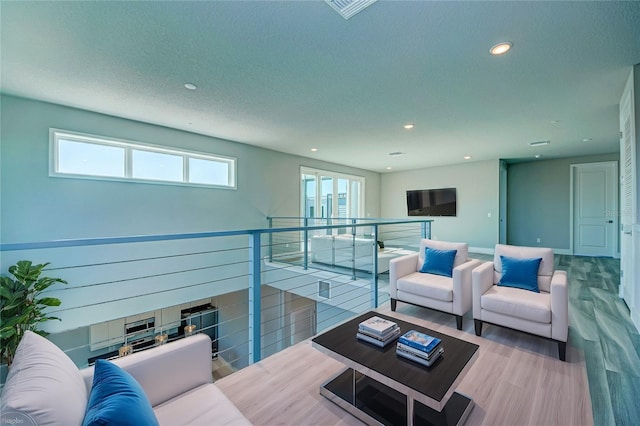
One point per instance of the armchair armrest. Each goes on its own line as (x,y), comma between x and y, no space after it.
(559,306)
(481,281)
(462,286)
(400,267)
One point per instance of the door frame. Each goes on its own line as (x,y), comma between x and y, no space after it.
(616,219)
(502,203)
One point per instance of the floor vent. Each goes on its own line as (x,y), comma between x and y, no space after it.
(348,8)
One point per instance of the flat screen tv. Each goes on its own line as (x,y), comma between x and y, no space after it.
(432,202)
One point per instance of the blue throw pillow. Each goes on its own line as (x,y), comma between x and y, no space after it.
(117,399)
(520,273)
(438,262)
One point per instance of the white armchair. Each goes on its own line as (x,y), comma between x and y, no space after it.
(544,314)
(442,293)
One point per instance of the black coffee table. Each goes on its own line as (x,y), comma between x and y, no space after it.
(378,386)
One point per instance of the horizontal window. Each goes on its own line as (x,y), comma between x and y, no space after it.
(91,157)
(156,166)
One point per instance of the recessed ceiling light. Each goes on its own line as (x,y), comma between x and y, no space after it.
(467,157)
(314,149)
(396,154)
(587,140)
(190,86)
(539,143)
(501,48)
(538,155)
(409,126)
(389,168)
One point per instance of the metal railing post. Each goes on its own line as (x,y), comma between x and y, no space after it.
(254,298)
(306,243)
(353,250)
(374,283)
(270,219)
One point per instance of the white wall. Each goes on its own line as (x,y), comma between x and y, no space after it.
(477,187)
(36,207)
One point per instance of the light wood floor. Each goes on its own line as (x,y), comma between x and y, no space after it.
(517,380)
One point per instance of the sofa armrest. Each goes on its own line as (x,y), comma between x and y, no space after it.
(398,268)
(167,371)
(462,286)
(481,281)
(559,306)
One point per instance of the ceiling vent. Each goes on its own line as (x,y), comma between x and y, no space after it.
(348,8)
(539,143)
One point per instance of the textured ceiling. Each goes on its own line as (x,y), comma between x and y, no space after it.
(290,76)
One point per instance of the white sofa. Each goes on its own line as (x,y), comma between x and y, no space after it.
(446,294)
(544,314)
(338,250)
(177,379)
(45,386)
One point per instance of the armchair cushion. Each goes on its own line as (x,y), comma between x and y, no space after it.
(462,251)
(520,273)
(117,398)
(427,285)
(518,303)
(545,270)
(438,262)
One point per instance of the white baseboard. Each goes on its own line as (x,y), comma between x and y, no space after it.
(562,251)
(481,250)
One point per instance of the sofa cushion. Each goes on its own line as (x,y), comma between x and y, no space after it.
(117,399)
(427,285)
(520,273)
(205,405)
(518,303)
(44,384)
(438,262)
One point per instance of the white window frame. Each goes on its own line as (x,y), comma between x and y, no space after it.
(335,176)
(55,135)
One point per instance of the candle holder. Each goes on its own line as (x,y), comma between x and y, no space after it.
(161,339)
(125,350)
(189,329)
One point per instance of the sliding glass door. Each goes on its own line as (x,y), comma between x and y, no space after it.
(328,195)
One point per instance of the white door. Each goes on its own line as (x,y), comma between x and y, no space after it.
(595,209)
(627,193)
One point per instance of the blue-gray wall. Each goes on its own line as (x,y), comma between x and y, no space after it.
(538,201)
(477,185)
(36,207)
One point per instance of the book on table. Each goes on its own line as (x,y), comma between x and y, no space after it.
(420,360)
(418,352)
(393,333)
(382,342)
(420,341)
(376,326)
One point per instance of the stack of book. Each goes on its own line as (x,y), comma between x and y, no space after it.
(378,331)
(419,347)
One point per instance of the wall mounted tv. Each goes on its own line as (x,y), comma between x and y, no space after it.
(432,202)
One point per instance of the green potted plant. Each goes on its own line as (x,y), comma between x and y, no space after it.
(21,307)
